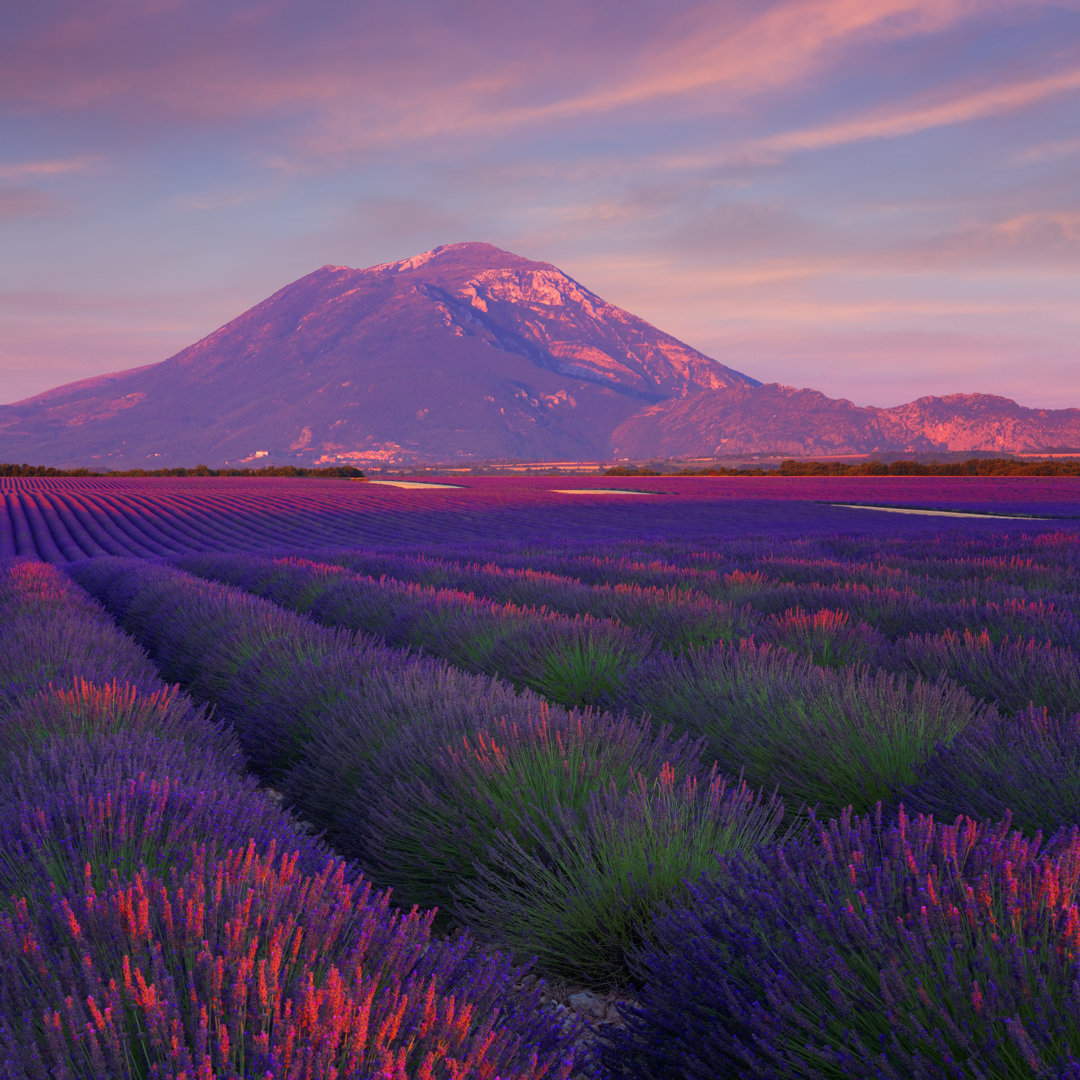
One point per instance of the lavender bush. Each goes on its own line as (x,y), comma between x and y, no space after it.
(828,637)
(109,803)
(576,662)
(88,708)
(1027,764)
(836,738)
(243,966)
(1013,674)
(493,783)
(901,948)
(578,887)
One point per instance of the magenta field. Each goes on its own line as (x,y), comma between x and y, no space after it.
(703,778)
(63,520)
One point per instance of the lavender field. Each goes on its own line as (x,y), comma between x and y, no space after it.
(321,778)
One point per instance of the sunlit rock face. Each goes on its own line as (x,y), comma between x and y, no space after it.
(468,353)
(770,419)
(987,422)
(783,420)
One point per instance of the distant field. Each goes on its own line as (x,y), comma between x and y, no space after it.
(67,519)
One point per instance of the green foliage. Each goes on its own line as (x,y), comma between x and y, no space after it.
(334,471)
(834,738)
(496,783)
(873,467)
(579,888)
(581,672)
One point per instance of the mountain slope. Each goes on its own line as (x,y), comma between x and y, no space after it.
(466,351)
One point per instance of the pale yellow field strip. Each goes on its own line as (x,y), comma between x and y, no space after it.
(410,484)
(940,513)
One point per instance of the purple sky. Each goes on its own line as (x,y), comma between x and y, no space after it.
(876,198)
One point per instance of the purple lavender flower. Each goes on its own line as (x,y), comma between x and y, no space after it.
(897,947)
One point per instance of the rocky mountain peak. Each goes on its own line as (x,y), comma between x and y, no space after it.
(469,352)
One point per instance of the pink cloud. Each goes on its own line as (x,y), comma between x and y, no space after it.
(1056,226)
(714,61)
(778,47)
(888,367)
(26,170)
(720,55)
(951,107)
(1049,151)
(1044,242)
(17,203)
(395,72)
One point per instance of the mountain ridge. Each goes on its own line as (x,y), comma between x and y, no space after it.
(469,352)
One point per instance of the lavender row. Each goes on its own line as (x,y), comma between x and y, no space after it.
(243,965)
(891,947)
(51,631)
(829,738)
(67,670)
(1003,667)
(453,787)
(1039,562)
(579,660)
(928,592)
(136,852)
(1037,559)
(671,613)
(855,734)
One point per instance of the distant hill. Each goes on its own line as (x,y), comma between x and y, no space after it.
(781,420)
(468,352)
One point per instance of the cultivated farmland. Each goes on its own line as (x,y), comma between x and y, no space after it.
(797,784)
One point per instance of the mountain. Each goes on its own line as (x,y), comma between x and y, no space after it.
(470,352)
(466,351)
(784,421)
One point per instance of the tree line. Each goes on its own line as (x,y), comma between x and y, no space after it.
(334,471)
(791,467)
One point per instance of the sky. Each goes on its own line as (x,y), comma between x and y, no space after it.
(879,199)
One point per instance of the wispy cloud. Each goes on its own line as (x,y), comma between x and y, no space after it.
(778,47)
(1063,225)
(1048,151)
(29,170)
(27,203)
(712,58)
(1037,243)
(951,107)
(396,72)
